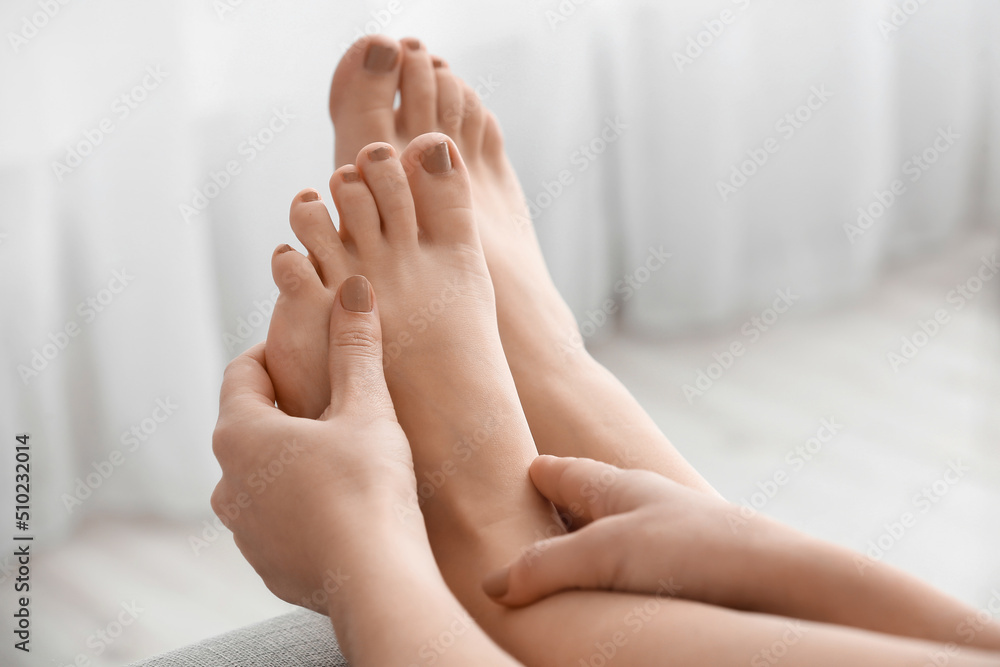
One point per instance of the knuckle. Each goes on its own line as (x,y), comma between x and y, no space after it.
(221,439)
(358,340)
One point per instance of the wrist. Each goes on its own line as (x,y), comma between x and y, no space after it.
(771,558)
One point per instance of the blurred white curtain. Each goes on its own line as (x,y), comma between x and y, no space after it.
(243,84)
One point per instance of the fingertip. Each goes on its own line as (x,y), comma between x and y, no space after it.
(496,584)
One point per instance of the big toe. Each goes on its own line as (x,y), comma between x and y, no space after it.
(439,183)
(417,90)
(363,93)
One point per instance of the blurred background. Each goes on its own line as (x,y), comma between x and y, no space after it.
(825,177)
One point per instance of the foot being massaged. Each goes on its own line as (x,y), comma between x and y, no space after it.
(479,495)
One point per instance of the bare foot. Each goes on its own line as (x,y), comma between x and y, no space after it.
(574,406)
(532,314)
(412,233)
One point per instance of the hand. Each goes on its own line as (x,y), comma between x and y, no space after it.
(641,533)
(293,490)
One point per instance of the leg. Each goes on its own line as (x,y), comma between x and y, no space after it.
(456,400)
(573,405)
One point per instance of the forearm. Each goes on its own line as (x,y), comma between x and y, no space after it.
(392,607)
(810,579)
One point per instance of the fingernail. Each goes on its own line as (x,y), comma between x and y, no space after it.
(381,58)
(411,43)
(437,158)
(495,585)
(351,176)
(356,295)
(379,154)
(283,249)
(309,195)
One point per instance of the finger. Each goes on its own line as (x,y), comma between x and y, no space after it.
(246,384)
(587,489)
(357,380)
(588,559)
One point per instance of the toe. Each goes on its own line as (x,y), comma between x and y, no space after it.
(442,195)
(294,275)
(417,90)
(492,136)
(364,91)
(312,225)
(473,121)
(386,180)
(450,102)
(359,222)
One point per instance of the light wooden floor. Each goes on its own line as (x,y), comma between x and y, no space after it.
(900,430)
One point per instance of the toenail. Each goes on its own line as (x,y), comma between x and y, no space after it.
(381,58)
(356,295)
(437,158)
(379,154)
(309,195)
(411,43)
(351,176)
(283,249)
(437,62)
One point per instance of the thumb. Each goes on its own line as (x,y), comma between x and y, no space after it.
(356,378)
(590,558)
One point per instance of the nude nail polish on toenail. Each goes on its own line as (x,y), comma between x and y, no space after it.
(437,62)
(381,58)
(495,585)
(379,154)
(437,158)
(310,195)
(411,43)
(351,176)
(283,249)
(356,295)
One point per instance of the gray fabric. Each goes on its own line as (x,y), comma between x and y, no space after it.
(300,639)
